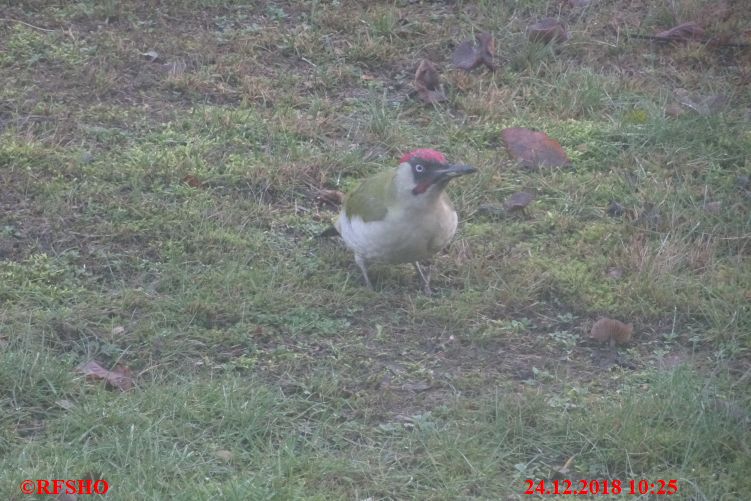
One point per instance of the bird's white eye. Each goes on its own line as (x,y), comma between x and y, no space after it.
(419,168)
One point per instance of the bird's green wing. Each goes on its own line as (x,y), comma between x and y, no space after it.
(372,198)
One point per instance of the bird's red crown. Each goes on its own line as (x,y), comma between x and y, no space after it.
(424,153)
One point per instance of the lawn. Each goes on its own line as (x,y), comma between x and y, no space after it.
(161,168)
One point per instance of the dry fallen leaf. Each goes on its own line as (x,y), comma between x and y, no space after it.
(533,149)
(518,201)
(612,331)
(331,197)
(548,30)
(565,470)
(682,33)
(428,83)
(468,55)
(192,181)
(151,55)
(119,378)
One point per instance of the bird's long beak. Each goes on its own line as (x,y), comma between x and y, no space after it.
(452,171)
(441,177)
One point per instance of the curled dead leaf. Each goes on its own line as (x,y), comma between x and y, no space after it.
(151,55)
(192,181)
(119,377)
(330,197)
(428,83)
(612,331)
(468,55)
(518,201)
(682,33)
(565,470)
(533,149)
(548,30)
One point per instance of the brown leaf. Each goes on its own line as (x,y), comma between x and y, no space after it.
(465,56)
(612,330)
(119,378)
(565,470)
(683,32)
(192,181)
(469,55)
(533,149)
(428,83)
(331,197)
(548,30)
(518,201)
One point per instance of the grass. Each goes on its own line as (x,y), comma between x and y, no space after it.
(160,215)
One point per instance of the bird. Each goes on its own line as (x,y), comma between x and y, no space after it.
(402,215)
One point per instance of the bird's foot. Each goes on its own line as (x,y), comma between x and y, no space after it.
(361,263)
(424,275)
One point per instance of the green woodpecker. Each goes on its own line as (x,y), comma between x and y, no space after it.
(402,215)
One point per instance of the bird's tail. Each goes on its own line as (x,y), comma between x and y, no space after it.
(331,231)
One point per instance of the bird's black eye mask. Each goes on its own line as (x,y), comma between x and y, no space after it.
(423,172)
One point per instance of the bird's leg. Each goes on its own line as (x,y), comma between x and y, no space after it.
(424,276)
(361,263)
